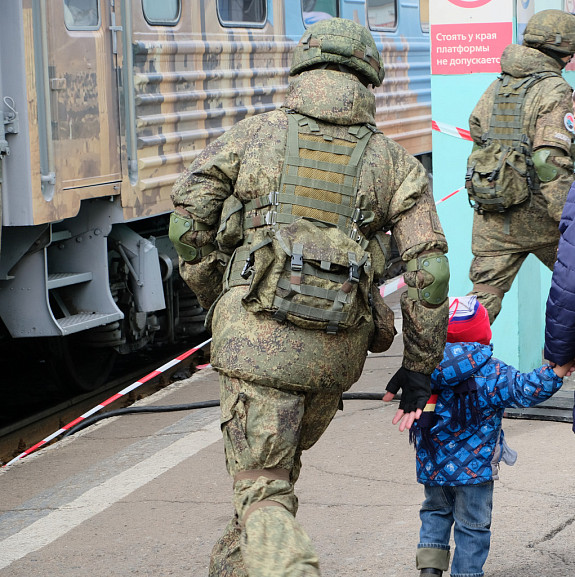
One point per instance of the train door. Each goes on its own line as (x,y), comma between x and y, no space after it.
(82,93)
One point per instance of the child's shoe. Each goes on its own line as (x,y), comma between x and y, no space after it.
(431,572)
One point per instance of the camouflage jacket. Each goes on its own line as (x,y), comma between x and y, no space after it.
(247,162)
(532,224)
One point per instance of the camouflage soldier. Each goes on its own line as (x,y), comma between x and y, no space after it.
(281,223)
(502,239)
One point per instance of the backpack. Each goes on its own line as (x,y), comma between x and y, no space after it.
(309,264)
(500,171)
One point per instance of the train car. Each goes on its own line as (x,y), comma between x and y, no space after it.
(104,103)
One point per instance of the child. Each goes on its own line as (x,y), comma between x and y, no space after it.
(459,440)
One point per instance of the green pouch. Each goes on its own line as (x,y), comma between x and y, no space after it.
(231,232)
(384,321)
(497,177)
(315,277)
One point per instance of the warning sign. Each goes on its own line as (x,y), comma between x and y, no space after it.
(470,11)
(467,48)
(469,35)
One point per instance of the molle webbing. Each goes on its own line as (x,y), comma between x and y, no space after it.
(501,172)
(507,119)
(319,180)
(338,298)
(316,270)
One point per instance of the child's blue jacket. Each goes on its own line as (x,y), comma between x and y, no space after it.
(469,454)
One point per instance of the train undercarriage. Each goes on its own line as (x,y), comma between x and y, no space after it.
(87,291)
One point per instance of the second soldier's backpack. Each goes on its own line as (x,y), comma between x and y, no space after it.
(500,172)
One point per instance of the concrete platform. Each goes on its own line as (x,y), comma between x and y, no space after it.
(148,494)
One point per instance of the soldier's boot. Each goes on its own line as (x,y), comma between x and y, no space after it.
(431,572)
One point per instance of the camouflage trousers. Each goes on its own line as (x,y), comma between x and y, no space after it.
(492,276)
(265,431)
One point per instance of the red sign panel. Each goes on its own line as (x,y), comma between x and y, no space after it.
(469,3)
(467,48)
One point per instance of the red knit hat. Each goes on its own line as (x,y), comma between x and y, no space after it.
(468,321)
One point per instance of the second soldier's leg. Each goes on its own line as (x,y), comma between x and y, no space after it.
(492,277)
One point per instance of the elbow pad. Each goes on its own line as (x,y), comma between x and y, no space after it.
(546,170)
(437,266)
(179,226)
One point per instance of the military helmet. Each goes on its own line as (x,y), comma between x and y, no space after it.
(552,30)
(339,41)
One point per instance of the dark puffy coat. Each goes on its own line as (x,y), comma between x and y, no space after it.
(560,316)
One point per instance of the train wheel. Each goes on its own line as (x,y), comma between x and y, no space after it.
(79,366)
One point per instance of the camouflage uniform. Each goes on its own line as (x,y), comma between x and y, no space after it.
(281,384)
(502,241)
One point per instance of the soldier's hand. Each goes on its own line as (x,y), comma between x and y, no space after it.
(415,392)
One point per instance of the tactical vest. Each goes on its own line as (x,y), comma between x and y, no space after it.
(500,172)
(304,256)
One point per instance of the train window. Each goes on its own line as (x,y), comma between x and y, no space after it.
(316,10)
(382,14)
(242,12)
(424,15)
(81,14)
(161,12)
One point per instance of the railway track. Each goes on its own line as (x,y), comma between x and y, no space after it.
(48,409)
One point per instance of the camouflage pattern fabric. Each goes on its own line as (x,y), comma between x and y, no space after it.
(247,161)
(500,271)
(267,428)
(340,41)
(226,559)
(532,226)
(282,384)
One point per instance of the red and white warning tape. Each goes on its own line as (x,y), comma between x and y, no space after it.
(398,282)
(449,195)
(391,286)
(113,398)
(451,130)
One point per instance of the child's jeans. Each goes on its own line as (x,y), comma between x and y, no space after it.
(468,509)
